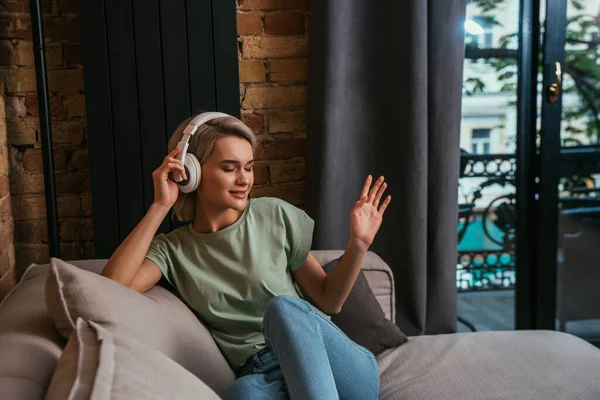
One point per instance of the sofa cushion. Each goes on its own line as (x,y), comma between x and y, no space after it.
(378,274)
(362,318)
(99,366)
(156,318)
(501,365)
(29,343)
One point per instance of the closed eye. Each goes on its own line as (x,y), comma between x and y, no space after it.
(231,170)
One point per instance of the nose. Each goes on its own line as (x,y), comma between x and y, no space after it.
(242,178)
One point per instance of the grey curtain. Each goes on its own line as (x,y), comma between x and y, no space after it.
(384,96)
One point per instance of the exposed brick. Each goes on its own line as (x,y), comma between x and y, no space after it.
(80,159)
(8,279)
(2,104)
(5,208)
(77,229)
(61,28)
(30,253)
(285,23)
(287,121)
(86,205)
(22,183)
(69,206)
(73,55)
(293,194)
(275,97)
(288,172)
(31,231)
(24,81)
(15,107)
(32,159)
(73,182)
(57,107)
(71,251)
(33,206)
(273,4)
(76,105)
(24,54)
(260,174)
(21,131)
(4,164)
(288,70)
(249,23)
(255,121)
(252,71)
(6,53)
(281,149)
(6,234)
(274,47)
(3,132)
(65,80)
(15,26)
(67,132)
(4,185)
(21,6)
(29,207)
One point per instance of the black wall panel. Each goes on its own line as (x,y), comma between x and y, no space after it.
(148,65)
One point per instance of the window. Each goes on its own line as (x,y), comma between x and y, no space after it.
(480,141)
(486,39)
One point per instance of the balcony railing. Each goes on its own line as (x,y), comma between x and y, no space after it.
(487,217)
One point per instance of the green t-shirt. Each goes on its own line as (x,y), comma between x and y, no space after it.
(227,277)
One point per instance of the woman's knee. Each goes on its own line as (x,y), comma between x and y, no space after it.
(281,305)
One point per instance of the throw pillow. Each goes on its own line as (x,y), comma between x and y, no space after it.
(97,365)
(156,318)
(362,318)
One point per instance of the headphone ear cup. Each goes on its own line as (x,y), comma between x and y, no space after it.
(193,172)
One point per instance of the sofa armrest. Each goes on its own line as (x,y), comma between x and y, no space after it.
(379,276)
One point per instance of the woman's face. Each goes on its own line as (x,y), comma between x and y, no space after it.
(227,174)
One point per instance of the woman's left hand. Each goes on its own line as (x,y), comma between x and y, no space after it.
(367,213)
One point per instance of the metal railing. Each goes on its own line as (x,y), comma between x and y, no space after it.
(492,265)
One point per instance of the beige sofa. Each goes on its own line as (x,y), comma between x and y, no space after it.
(481,365)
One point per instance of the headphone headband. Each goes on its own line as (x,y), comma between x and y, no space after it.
(190,130)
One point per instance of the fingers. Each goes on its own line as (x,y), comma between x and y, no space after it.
(379,194)
(365,189)
(374,190)
(171,163)
(385,204)
(175,151)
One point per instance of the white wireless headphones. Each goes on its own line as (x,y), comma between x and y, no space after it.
(190,162)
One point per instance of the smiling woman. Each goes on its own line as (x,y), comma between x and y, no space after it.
(237,264)
(224,148)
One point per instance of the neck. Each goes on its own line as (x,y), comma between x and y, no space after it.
(213,219)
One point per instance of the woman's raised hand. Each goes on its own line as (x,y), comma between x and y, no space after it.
(166,190)
(367,213)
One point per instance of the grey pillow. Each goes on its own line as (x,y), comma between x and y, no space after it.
(156,318)
(362,318)
(97,365)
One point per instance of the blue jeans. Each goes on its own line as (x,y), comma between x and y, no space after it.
(307,357)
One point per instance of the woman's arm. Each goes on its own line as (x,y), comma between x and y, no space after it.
(331,291)
(126,261)
(365,219)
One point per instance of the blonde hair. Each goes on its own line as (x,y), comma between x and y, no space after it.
(201,145)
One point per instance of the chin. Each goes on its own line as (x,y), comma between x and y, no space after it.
(238,205)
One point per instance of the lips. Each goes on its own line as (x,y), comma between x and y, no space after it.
(239,194)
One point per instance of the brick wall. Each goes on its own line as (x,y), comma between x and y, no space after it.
(272,38)
(7,250)
(272,41)
(24,154)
